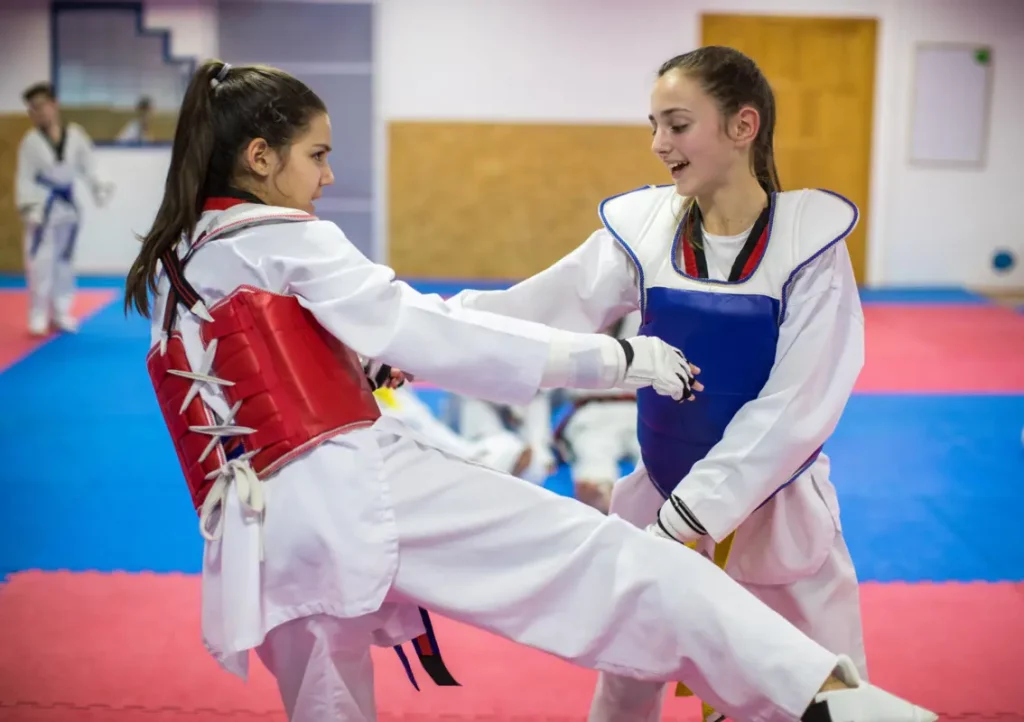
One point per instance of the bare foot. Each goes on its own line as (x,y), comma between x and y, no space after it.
(524,461)
(594,494)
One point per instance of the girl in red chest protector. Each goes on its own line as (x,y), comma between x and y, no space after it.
(330,529)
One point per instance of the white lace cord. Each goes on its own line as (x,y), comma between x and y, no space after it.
(250,493)
(248,485)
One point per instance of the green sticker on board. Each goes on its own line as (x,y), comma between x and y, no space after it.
(983,55)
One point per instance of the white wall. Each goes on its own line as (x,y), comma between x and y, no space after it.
(25,39)
(24,50)
(942,225)
(107,241)
(193,25)
(593,61)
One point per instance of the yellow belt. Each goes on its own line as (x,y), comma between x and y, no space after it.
(720,557)
(387,397)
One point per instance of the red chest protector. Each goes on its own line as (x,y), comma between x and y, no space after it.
(290,383)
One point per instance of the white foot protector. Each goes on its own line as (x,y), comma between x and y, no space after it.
(863,702)
(38,324)
(66,323)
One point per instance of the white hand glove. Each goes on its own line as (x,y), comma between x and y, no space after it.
(380,375)
(377,373)
(104,192)
(663,367)
(31,215)
(656,530)
(677,522)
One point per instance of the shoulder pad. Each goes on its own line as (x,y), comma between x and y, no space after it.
(250,214)
(627,215)
(825,219)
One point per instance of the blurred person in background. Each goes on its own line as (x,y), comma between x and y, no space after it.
(51,157)
(500,449)
(599,432)
(137,130)
(529,423)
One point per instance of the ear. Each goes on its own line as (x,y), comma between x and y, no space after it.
(259,157)
(745,125)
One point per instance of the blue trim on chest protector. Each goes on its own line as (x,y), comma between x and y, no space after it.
(732,338)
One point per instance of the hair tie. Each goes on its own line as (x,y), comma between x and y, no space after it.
(221,75)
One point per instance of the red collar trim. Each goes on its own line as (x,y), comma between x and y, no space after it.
(222,203)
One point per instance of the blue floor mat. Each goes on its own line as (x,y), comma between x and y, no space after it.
(11,280)
(921,295)
(930,486)
(91,478)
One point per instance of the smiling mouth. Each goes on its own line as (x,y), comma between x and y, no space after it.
(677,168)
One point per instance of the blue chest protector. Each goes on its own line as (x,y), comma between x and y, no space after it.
(732,338)
(728,329)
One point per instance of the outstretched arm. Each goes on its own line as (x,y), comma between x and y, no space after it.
(28,194)
(820,354)
(85,163)
(585,291)
(465,350)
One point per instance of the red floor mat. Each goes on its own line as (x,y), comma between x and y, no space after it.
(15,341)
(120,647)
(943,349)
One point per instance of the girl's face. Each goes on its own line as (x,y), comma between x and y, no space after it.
(295,178)
(702,150)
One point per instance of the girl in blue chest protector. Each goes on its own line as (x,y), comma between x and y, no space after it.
(755,286)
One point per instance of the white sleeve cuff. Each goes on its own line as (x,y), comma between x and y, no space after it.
(583,361)
(676,519)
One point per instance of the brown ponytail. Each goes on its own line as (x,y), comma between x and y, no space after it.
(691,233)
(763,156)
(183,190)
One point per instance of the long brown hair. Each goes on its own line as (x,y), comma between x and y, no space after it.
(733,81)
(224,109)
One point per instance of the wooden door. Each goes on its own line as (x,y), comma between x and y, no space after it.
(822,71)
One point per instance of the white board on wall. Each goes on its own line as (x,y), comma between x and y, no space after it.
(951,98)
